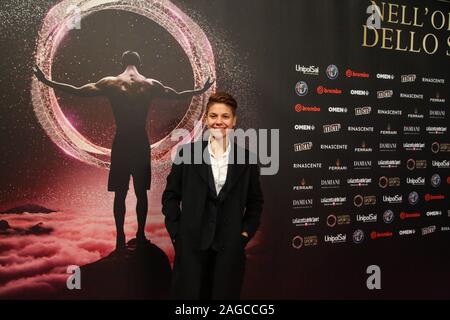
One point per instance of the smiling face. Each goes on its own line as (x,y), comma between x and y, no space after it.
(219,119)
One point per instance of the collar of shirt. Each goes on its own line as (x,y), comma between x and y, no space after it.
(224,155)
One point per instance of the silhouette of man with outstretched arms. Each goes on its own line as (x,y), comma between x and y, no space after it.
(129,93)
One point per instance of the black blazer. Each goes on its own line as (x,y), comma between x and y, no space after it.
(190,191)
(197,218)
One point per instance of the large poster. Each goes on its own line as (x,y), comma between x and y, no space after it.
(349,104)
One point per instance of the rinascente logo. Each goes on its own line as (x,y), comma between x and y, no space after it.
(389,112)
(411,95)
(339,238)
(433,80)
(308,165)
(333,147)
(359,129)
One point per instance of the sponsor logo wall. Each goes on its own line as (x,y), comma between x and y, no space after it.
(371,156)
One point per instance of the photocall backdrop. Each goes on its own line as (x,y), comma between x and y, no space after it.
(358,93)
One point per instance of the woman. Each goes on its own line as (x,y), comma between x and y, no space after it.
(212,209)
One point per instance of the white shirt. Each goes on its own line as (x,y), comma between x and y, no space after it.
(219,166)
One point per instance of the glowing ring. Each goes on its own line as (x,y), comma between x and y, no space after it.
(297,242)
(57,24)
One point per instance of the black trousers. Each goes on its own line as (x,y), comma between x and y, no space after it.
(220,280)
(208,258)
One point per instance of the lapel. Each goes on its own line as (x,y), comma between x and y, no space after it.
(234,170)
